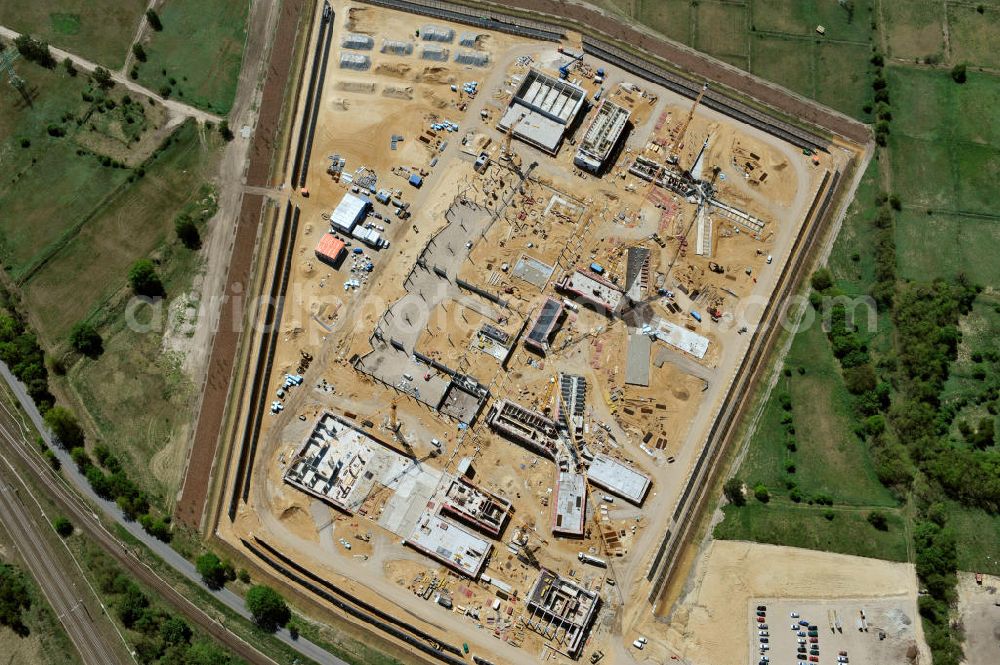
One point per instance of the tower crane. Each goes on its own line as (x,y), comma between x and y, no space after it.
(678,141)
(506,153)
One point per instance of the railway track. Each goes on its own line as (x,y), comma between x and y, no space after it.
(84,518)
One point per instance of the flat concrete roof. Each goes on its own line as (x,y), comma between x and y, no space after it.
(637,359)
(624,481)
(541,110)
(570,504)
(453,545)
(679,337)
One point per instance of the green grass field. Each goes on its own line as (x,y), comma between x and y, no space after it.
(974,36)
(917,28)
(774,39)
(950,135)
(198,53)
(800,17)
(978,534)
(47,187)
(87,272)
(796,526)
(722,31)
(829,458)
(958,246)
(99,30)
(668,17)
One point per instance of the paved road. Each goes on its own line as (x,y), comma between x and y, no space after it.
(85,518)
(175,107)
(51,575)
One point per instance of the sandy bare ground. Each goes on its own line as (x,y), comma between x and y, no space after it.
(979,613)
(729,575)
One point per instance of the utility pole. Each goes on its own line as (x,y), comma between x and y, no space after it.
(7,58)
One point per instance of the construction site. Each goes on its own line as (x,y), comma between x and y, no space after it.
(521,287)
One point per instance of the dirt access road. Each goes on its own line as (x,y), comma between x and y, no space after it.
(176,109)
(230,245)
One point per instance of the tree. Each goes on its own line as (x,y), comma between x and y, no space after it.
(878,520)
(225,132)
(139,52)
(35,51)
(102,78)
(958,73)
(154,20)
(65,427)
(212,571)
(14,600)
(822,279)
(144,280)
(760,493)
(175,631)
(69,67)
(267,608)
(187,232)
(733,489)
(86,340)
(63,526)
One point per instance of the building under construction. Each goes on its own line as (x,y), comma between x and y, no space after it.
(542,110)
(561,611)
(602,135)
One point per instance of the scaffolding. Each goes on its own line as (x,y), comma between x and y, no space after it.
(392,47)
(358,42)
(435,33)
(355,61)
(474,58)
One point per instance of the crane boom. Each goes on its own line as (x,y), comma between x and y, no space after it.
(678,141)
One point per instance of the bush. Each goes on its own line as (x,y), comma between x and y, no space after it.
(225,132)
(139,52)
(243,576)
(733,489)
(822,279)
(212,571)
(187,232)
(63,527)
(958,73)
(267,608)
(35,51)
(102,79)
(144,280)
(154,20)
(789,466)
(760,493)
(65,427)
(86,340)
(69,67)
(878,520)
(829,515)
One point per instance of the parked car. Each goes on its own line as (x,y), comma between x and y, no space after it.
(814,640)
(813,659)
(763,640)
(762,607)
(762,633)
(638,645)
(795,626)
(802,640)
(801,633)
(803,622)
(794,615)
(761,619)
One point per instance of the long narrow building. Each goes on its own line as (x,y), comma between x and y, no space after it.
(601,136)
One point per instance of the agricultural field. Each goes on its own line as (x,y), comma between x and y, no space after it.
(775,39)
(99,30)
(196,57)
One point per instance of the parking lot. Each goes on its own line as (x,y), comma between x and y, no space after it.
(831,632)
